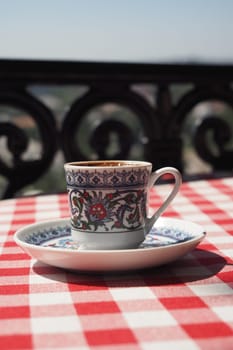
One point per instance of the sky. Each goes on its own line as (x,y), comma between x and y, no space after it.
(118,30)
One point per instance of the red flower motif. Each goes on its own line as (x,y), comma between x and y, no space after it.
(77,201)
(98,210)
(84,226)
(117,224)
(109,196)
(85,194)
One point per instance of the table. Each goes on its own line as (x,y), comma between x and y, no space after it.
(184,305)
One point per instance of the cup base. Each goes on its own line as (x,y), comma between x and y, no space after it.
(107,241)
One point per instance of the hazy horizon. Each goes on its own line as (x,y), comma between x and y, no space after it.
(124,30)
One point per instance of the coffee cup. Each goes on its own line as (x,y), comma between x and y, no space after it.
(108,202)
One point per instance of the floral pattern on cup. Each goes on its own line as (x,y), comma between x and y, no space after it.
(105,210)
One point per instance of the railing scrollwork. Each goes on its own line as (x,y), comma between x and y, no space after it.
(99,139)
(23,172)
(152,128)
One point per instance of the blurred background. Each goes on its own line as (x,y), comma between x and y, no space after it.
(134,31)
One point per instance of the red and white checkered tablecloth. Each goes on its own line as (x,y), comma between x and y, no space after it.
(187,304)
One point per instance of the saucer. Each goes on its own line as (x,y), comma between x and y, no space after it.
(51,243)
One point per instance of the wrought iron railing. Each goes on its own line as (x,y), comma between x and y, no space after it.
(112,110)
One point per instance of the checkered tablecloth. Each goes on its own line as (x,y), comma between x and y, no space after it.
(187,304)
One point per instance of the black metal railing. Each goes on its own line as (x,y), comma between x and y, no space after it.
(112,110)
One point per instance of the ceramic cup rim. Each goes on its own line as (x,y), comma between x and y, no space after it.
(106,164)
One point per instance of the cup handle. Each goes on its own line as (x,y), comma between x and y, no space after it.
(154,177)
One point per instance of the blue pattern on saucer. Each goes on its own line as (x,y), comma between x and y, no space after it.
(161,236)
(48,234)
(60,237)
